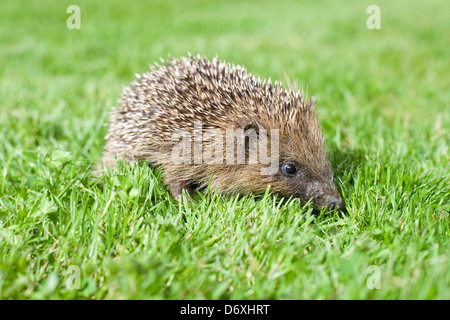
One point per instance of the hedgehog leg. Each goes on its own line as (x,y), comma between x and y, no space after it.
(177,187)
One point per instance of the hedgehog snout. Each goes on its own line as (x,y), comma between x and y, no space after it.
(335,203)
(324,196)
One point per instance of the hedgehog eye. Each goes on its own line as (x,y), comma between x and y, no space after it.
(289,169)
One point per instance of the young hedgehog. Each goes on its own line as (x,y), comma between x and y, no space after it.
(201,102)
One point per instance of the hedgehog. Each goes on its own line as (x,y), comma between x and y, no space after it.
(211,124)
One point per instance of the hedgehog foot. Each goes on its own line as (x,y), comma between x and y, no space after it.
(177,187)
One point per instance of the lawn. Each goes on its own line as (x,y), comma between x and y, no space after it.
(383,103)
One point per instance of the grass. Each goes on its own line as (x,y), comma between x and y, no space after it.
(382,102)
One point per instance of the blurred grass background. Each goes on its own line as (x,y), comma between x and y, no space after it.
(383,103)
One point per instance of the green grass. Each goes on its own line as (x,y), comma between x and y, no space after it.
(383,103)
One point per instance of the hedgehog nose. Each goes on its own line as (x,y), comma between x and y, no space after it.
(335,203)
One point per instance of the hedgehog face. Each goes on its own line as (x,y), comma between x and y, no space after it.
(302,168)
(308,185)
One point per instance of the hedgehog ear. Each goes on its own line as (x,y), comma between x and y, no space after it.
(251,125)
(251,138)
